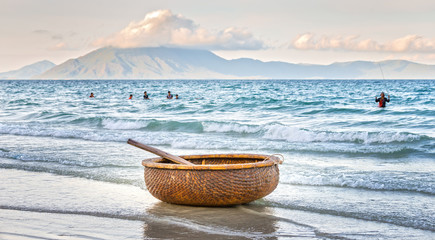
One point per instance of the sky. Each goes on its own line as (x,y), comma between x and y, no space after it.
(296,31)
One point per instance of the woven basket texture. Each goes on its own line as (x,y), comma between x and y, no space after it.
(215,180)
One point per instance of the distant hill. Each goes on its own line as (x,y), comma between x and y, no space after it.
(28,71)
(177,63)
(141,63)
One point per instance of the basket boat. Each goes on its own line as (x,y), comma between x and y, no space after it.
(214,180)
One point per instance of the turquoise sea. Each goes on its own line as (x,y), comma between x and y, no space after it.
(352,170)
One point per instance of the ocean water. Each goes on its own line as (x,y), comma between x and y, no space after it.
(351,170)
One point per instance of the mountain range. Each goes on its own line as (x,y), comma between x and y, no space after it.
(177,63)
(28,71)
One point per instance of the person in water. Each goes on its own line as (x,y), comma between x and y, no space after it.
(176,96)
(92,95)
(382,100)
(145,95)
(169,96)
(131,96)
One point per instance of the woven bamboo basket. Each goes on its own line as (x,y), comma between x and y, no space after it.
(214,180)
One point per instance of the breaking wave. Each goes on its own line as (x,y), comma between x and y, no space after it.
(122,125)
(388,181)
(231,128)
(163,129)
(293,134)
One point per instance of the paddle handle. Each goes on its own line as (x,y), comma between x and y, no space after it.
(159,152)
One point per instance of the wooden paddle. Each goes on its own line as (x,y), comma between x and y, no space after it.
(159,152)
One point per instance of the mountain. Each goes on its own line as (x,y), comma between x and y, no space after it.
(141,63)
(169,63)
(28,71)
(177,63)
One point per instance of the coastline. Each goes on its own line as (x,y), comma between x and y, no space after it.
(59,207)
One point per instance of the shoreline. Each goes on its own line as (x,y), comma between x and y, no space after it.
(62,207)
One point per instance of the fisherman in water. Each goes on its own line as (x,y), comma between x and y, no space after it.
(382,100)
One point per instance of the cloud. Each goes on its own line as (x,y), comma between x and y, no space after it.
(57,37)
(59,46)
(163,28)
(409,43)
(47,33)
(63,46)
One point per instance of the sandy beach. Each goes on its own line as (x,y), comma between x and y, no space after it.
(52,207)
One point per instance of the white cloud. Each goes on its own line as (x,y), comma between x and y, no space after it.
(163,28)
(409,43)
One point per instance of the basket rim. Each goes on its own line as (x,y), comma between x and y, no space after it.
(264,161)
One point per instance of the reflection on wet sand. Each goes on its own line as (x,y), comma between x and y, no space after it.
(176,221)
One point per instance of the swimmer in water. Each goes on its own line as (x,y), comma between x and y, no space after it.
(131,96)
(176,96)
(382,100)
(145,95)
(92,95)
(169,96)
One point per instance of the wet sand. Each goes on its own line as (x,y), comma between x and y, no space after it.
(45,206)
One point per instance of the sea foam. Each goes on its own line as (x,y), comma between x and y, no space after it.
(122,124)
(231,127)
(388,181)
(294,134)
